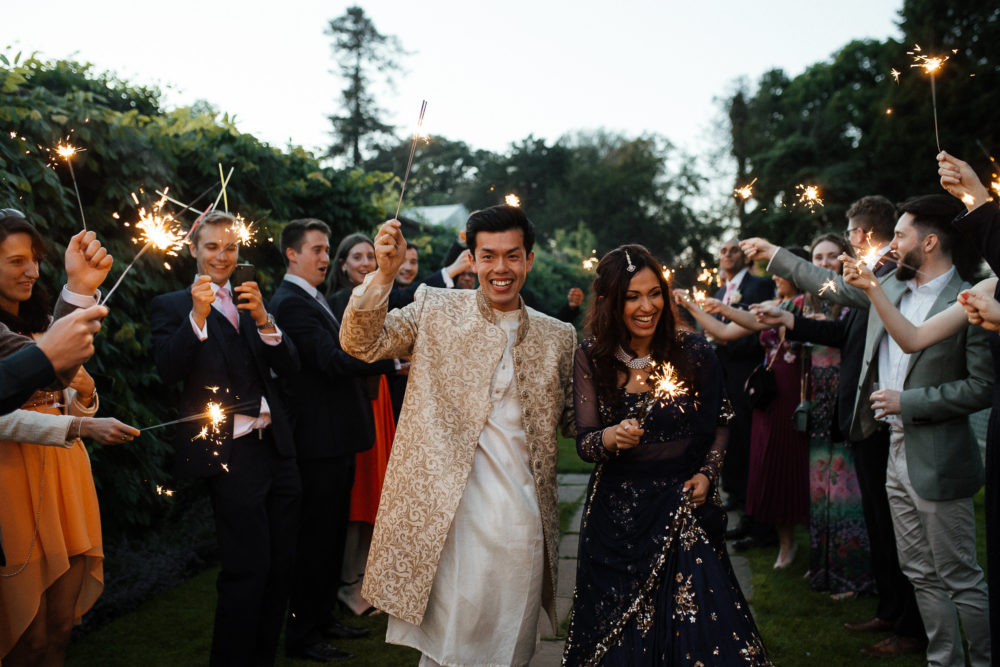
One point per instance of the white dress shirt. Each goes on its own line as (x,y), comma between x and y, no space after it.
(914,306)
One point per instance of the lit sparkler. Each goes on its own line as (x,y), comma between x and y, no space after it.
(744,192)
(931,65)
(512,200)
(159,231)
(668,274)
(828,285)
(589,263)
(667,386)
(67,152)
(163,491)
(809,196)
(413,147)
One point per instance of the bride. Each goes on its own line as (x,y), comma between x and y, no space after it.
(654,583)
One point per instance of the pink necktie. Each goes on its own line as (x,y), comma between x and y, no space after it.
(730,288)
(228,307)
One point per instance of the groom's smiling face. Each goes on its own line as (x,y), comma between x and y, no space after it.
(502,265)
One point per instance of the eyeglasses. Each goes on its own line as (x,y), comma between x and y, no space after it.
(851,230)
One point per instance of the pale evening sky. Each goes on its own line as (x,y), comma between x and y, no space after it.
(492,72)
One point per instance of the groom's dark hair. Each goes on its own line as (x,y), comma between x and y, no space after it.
(294,233)
(499,218)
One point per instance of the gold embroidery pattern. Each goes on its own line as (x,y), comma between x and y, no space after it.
(455,347)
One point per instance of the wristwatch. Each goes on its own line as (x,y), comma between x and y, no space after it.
(268,324)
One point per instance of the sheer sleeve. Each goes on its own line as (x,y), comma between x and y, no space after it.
(715,406)
(589,429)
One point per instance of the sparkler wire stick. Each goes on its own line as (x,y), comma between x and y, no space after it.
(125,272)
(201,415)
(213,206)
(224,180)
(934,105)
(79,202)
(67,152)
(413,148)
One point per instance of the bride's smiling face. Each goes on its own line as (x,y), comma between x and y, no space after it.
(643,305)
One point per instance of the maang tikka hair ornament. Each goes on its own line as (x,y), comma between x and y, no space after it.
(631,267)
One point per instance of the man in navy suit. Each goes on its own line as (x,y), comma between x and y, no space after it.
(739,358)
(226,352)
(333,422)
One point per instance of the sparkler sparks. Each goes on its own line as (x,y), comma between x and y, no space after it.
(66,152)
(589,263)
(968,199)
(828,285)
(163,491)
(512,200)
(895,74)
(744,192)
(931,65)
(666,386)
(157,230)
(809,196)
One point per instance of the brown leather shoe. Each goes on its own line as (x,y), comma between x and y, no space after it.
(872,625)
(895,645)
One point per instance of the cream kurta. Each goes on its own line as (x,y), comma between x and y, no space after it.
(484,603)
(456,346)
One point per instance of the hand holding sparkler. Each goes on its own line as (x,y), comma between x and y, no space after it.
(624,435)
(202,298)
(772,315)
(981,309)
(390,251)
(758,249)
(69,341)
(959,179)
(713,306)
(107,430)
(87,263)
(857,273)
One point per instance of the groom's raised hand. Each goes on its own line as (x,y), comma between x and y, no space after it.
(390,251)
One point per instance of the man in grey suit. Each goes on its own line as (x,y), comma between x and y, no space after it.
(934,464)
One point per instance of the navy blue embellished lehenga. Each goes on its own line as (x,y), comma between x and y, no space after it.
(654,584)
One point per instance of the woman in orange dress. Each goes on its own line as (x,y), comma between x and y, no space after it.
(353,260)
(50,521)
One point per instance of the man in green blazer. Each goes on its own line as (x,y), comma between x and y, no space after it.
(934,464)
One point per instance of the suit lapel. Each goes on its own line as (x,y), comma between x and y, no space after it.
(327,316)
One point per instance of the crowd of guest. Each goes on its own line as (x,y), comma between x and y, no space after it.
(846,380)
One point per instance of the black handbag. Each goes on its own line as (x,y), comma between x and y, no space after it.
(761,387)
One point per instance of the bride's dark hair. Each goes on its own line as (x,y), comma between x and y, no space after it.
(606,324)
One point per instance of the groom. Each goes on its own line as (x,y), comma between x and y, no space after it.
(470,490)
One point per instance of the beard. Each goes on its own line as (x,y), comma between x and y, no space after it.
(909,264)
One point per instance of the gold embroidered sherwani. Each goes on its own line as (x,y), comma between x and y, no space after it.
(455,345)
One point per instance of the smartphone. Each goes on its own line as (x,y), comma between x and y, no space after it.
(243,273)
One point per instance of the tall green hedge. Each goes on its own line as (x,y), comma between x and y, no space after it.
(130,144)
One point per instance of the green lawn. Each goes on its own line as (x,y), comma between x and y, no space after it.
(569,460)
(175,628)
(801,626)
